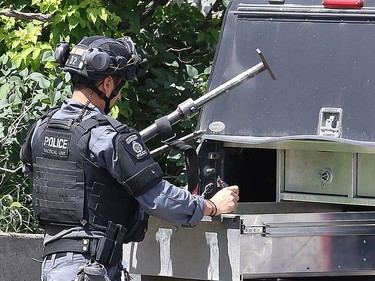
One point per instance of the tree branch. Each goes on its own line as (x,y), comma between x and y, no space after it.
(25,16)
(10,171)
(151,7)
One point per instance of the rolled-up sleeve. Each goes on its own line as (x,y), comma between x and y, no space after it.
(173,204)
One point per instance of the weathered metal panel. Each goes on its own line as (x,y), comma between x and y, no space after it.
(318,172)
(250,246)
(366,175)
(314,244)
(209,251)
(322,61)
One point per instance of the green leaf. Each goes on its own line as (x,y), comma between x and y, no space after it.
(27,51)
(15,205)
(15,44)
(24,72)
(14,99)
(114,112)
(36,54)
(103,15)
(73,22)
(174,64)
(35,76)
(151,84)
(4,91)
(192,71)
(92,15)
(6,72)
(15,80)
(134,20)
(48,56)
(7,199)
(4,59)
(207,70)
(44,83)
(226,3)
(84,4)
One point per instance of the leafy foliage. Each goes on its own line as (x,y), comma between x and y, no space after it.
(24,96)
(15,217)
(176,42)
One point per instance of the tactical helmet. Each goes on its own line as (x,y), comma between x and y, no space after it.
(97,56)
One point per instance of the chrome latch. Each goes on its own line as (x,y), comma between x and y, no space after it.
(252,229)
(330,122)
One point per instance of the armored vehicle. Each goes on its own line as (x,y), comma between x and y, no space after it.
(301,148)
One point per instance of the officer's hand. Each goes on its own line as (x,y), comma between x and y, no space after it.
(224,201)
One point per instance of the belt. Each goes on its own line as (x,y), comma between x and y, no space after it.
(103,250)
(58,255)
(84,246)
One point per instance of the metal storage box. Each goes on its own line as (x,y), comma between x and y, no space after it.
(301,149)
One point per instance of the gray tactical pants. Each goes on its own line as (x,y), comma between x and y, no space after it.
(77,267)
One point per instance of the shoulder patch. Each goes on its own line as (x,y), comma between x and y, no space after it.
(135,146)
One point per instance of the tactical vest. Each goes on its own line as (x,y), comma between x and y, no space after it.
(70,189)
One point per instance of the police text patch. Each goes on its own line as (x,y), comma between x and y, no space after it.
(56,144)
(135,146)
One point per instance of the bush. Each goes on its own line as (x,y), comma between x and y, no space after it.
(24,96)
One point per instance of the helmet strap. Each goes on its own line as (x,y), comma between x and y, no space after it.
(106,99)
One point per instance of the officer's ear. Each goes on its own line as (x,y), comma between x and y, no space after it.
(108,83)
(100,84)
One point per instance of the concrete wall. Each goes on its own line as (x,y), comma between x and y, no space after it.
(18,257)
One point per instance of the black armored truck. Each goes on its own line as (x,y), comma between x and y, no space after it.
(301,148)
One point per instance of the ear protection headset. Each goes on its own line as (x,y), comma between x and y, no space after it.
(93,58)
(62,53)
(96,59)
(99,60)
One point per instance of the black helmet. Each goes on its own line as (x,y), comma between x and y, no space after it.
(97,56)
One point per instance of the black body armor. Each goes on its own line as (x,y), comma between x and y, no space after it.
(71,189)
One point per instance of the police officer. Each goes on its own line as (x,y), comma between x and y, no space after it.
(94,181)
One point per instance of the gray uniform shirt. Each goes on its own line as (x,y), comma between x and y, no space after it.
(164,200)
